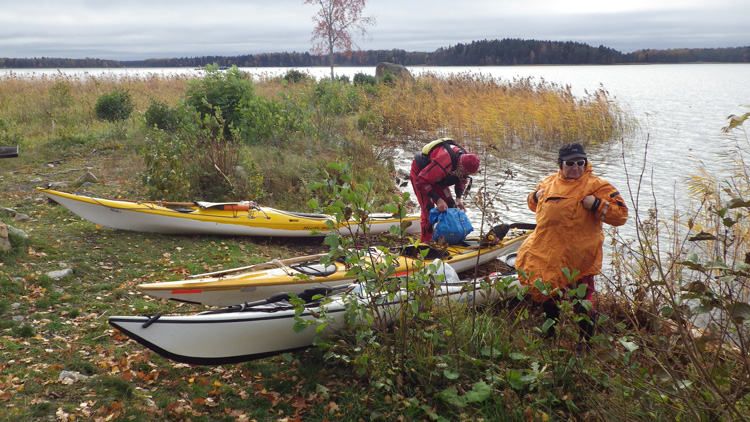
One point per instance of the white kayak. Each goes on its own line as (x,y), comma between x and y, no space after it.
(253,331)
(207,218)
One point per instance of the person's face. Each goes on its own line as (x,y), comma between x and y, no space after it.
(575,170)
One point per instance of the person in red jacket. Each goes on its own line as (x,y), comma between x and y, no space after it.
(571,207)
(438,166)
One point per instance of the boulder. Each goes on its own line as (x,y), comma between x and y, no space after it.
(60,274)
(17,232)
(87,177)
(8,211)
(5,245)
(69,377)
(397,70)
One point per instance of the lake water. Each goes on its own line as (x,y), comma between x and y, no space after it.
(680,110)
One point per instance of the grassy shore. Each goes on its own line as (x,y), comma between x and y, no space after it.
(59,360)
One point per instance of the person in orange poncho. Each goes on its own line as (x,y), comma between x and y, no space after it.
(571,207)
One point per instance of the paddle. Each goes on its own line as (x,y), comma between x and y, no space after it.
(307,295)
(275,263)
(523,226)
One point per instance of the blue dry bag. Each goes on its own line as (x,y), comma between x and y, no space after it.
(453,225)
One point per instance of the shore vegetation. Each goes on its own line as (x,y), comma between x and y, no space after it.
(671,338)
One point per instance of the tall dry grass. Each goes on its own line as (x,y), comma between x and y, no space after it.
(47,107)
(473,108)
(480,109)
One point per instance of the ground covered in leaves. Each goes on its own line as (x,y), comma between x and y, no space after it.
(60,360)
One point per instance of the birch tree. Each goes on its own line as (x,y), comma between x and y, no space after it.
(335,23)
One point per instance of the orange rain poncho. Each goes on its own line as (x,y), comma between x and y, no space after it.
(568,235)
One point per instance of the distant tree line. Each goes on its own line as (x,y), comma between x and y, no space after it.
(506,52)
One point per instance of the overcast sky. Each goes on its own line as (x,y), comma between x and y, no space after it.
(140,29)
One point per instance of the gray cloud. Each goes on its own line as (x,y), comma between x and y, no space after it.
(140,29)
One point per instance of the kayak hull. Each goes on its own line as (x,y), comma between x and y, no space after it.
(264,330)
(238,219)
(292,276)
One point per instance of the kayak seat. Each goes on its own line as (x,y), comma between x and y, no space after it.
(314,268)
(415,252)
(307,215)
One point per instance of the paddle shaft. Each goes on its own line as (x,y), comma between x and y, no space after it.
(272,264)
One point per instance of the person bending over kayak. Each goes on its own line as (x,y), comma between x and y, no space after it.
(571,207)
(439,165)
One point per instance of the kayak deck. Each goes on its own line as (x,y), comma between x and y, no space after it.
(235,219)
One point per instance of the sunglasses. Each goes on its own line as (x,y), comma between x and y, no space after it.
(579,163)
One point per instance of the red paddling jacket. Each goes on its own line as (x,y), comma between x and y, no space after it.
(439,173)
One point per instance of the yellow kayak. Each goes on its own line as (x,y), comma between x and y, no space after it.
(247,284)
(232,219)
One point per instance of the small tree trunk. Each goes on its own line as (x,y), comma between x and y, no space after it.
(330,60)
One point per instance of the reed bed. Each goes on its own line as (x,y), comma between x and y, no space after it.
(518,113)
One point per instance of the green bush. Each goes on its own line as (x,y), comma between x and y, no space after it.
(221,92)
(336,98)
(9,133)
(165,166)
(269,121)
(295,76)
(365,79)
(198,161)
(161,116)
(114,106)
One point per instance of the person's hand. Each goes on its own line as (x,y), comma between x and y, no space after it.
(538,194)
(588,201)
(441,205)
(460,205)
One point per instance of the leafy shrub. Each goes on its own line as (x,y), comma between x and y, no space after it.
(295,76)
(221,91)
(365,79)
(9,133)
(161,116)
(165,167)
(198,161)
(268,121)
(114,106)
(336,98)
